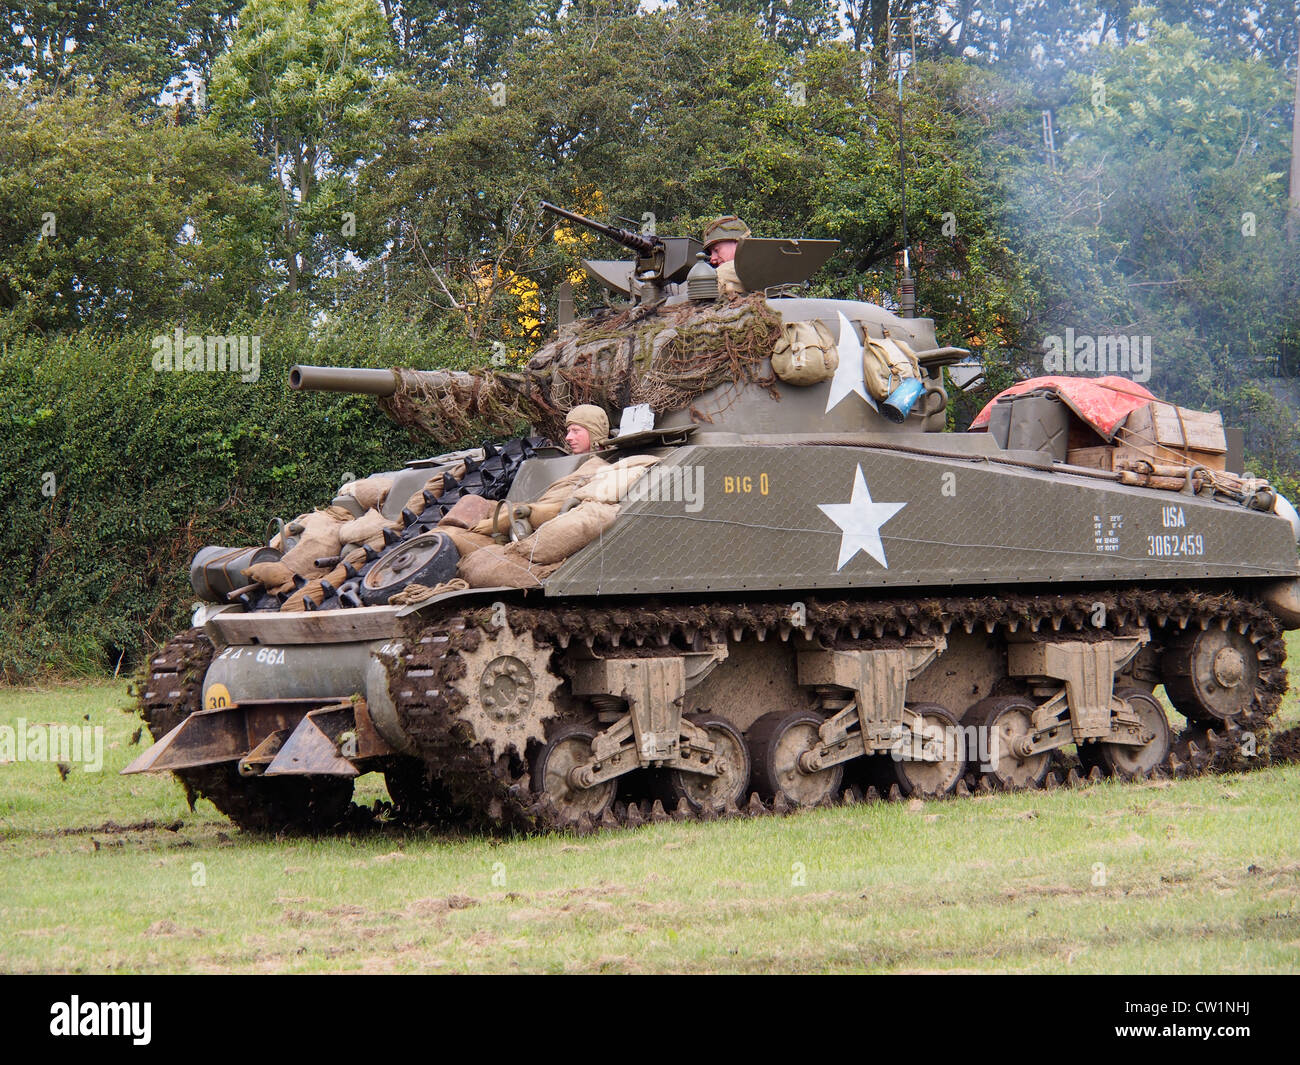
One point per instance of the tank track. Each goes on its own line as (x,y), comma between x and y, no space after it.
(170,689)
(492,794)
(497,791)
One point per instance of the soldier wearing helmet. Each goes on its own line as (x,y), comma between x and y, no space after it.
(588,427)
(721,238)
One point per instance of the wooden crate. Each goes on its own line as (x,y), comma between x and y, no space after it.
(1097,458)
(1166,433)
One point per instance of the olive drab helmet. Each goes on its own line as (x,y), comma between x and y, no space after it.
(727,227)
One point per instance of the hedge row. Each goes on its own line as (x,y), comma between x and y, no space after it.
(114,473)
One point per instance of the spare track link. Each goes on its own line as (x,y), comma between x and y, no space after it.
(497,789)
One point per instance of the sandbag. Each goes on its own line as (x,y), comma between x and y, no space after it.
(495,567)
(611,484)
(297,601)
(415,502)
(566,534)
(466,542)
(367,529)
(562,490)
(319,539)
(806,354)
(467,512)
(271,574)
(370,492)
(548,504)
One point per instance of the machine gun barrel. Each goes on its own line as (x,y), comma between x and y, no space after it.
(636,241)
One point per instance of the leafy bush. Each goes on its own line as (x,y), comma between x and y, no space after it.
(114,475)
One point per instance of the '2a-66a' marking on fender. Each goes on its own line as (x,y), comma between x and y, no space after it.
(270,656)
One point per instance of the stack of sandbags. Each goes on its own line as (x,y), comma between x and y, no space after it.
(527,562)
(596,487)
(548,504)
(612,483)
(595,479)
(367,530)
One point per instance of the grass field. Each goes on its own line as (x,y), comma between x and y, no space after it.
(104,873)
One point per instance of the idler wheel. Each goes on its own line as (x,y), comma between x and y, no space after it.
(1008,719)
(1122,760)
(552,774)
(941,736)
(1210,675)
(776,741)
(731,759)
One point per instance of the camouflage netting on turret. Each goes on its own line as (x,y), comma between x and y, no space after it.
(666,359)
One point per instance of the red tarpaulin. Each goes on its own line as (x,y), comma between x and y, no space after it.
(1102,402)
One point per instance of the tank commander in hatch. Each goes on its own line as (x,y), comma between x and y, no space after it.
(721,236)
(588,427)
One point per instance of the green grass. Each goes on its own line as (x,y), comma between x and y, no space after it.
(1193,876)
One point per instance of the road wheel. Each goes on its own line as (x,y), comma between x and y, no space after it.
(776,741)
(1117,759)
(569,746)
(731,759)
(1008,718)
(941,735)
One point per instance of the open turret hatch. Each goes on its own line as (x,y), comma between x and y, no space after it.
(761,264)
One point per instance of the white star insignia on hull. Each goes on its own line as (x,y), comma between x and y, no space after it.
(860,520)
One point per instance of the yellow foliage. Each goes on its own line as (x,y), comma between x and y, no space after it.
(579,240)
(524,320)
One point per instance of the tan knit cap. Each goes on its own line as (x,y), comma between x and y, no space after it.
(593,419)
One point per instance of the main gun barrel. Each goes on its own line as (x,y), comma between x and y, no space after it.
(343,379)
(636,241)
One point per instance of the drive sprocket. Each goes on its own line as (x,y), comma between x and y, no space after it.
(507,692)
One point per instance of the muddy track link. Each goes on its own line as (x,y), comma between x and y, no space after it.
(497,789)
(170,690)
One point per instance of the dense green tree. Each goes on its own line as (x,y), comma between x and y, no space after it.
(157,43)
(1239,29)
(306,80)
(1187,157)
(109,217)
(440,39)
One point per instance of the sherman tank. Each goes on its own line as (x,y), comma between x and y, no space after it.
(780,582)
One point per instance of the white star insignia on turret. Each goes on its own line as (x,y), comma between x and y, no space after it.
(860,519)
(848,377)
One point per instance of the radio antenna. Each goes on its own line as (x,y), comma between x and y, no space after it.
(902,50)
